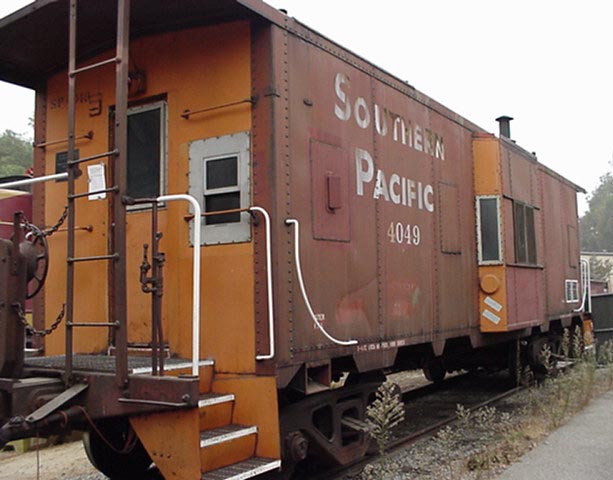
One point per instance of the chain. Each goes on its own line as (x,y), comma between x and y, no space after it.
(48,231)
(51,230)
(30,329)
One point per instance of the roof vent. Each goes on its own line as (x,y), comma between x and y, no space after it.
(505,126)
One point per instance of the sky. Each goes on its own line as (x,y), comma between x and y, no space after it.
(545,63)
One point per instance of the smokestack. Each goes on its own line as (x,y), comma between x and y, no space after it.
(504,123)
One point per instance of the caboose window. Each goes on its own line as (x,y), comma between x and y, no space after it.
(525,235)
(146,150)
(221,189)
(219,178)
(488,217)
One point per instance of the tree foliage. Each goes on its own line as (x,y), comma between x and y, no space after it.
(15,154)
(600,268)
(596,226)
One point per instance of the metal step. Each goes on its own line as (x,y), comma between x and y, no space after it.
(225,434)
(247,469)
(209,399)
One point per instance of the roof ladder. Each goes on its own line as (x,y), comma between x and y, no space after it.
(117,174)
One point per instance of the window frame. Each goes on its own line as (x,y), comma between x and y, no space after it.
(574,289)
(162,105)
(500,260)
(203,151)
(530,248)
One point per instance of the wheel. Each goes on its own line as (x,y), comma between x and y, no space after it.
(434,370)
(114,449)
(36,251)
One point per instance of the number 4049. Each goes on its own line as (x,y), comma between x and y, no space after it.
(404,234)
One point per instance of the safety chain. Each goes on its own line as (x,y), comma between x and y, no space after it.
(51,230)
(48,231)
(30,329)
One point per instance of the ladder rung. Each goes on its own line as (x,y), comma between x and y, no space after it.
(94,157)
(115,256)
(95,192)
(94,65)
(90,324)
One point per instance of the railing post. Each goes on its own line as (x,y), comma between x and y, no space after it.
(196,276)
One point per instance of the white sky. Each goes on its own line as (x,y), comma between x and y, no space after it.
(546,63)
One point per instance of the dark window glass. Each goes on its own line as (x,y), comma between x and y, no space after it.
(144,154)
(490,247)
(525,234)
(520,234)
(61,162)
(530,236)
(222,173)
(220,202)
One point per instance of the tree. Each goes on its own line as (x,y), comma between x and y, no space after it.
(600,268)
(596,226)
(15,154)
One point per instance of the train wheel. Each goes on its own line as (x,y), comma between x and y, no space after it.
(114,449)
(434,370)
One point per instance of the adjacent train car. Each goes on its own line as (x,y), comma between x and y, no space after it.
(253,213)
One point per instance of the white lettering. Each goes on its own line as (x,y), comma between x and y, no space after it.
(381,128)
(429,198)
(417,142)
(412,194)
(363,121)
(381,187)
(342,112)
(398,190)
(363,176)
(394,181)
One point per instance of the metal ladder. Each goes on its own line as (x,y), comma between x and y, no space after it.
(117,181)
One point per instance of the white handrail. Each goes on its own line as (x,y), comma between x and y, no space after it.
(196,277)
(271,323)
(293,221)
(586,287)
(30,181)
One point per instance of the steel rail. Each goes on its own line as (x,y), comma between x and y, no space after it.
(33,180)
(413,437)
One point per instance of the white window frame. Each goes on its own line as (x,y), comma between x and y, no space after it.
(163,107)
(571,287)
(206,150)
(500,260)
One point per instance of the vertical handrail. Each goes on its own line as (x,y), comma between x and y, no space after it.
(270,297)
(196,276)
(586,287)
(296,224)
(70,247)
(120,173)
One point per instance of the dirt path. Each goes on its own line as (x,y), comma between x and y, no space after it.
(64,462)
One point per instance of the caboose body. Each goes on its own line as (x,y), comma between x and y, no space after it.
(350,224)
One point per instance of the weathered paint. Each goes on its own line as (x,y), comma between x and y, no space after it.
(172,440)
(199,77)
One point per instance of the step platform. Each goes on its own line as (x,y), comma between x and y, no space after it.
(137,364)
(247,469)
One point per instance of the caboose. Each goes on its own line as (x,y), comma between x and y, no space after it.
(242,227)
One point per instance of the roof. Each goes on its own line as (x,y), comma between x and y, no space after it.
(33,40)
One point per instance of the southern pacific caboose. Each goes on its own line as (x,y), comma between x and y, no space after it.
(233,212)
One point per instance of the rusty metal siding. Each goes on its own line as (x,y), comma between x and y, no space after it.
(371,276)
(559,212)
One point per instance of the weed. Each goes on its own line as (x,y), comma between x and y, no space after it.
(385,413)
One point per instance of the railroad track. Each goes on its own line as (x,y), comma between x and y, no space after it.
(428,409)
